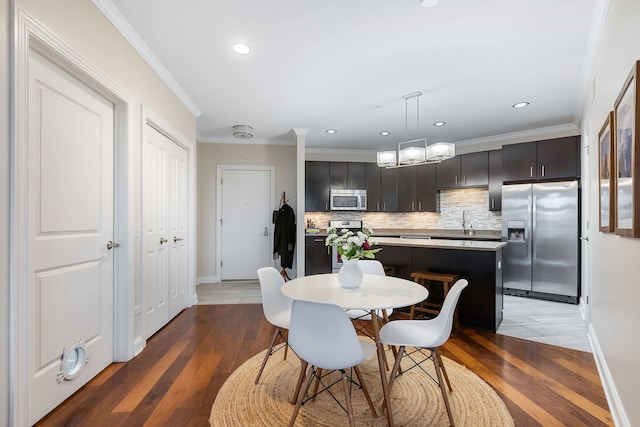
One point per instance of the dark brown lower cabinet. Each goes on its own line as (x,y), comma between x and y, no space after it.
(317,256)
(480,304)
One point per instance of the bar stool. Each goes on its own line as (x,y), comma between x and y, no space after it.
(424,278)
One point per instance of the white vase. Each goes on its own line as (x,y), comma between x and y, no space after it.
(350,275)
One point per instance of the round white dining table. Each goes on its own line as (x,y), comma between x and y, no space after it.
(376,292)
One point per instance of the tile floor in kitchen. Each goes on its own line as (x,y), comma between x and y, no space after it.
(548,322)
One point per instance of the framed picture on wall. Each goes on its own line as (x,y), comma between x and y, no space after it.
(627,214)
(606,175)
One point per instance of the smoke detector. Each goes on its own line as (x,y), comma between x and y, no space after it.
(242,131)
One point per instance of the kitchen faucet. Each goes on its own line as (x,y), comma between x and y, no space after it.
(464,230)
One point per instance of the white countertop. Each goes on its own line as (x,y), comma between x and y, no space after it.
(472,245)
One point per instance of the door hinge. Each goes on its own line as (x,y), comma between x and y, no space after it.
(220,264)
(220,181)
(587,299)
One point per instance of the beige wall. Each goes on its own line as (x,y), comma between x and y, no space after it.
(4,213)
(95,38)
(81,26)
(282,157)
(614,265)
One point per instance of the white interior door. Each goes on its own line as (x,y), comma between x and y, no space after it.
(178,169)
(245,223)
(70,221)
(164,228)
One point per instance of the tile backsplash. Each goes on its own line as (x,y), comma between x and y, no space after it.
(473,201)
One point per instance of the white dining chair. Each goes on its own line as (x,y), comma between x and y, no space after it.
(276,308)
(324,338)
(424,335)
(370,266)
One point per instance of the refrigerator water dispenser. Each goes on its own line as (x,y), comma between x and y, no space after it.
(515,231)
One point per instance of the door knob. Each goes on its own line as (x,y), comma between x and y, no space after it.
(177,239)
(111,245)
(163,240)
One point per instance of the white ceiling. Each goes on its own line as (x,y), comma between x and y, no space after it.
(345,64)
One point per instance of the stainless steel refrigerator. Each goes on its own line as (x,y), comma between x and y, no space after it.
(540,223)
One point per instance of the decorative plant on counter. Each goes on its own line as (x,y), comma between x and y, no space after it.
(352,245)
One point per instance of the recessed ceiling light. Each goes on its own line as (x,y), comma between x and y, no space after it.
(520,105)
(385,133)
(331,131)
(241,48)
(438,124)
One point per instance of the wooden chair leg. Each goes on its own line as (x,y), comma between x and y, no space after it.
(347,397)
(365,391)
(444,371)
(394,373)
(436,362)
(396,368)
(315,387)
(384,354)
(266,356)
(303,369)
(286,348)
(301,394)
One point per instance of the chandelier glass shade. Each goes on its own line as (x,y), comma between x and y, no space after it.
(440,151)
(412,152)
(415,151)
(386,158)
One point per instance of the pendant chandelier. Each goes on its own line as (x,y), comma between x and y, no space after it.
(416,151)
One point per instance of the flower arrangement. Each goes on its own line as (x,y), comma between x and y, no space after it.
(352,245)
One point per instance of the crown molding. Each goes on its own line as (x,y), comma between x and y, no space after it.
(112,13)
(595,34)
(329,151)
(252,141)
(532,133)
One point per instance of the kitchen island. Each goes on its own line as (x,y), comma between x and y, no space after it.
(478,261)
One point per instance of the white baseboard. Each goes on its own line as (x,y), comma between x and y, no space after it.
(613,399)
(207,279)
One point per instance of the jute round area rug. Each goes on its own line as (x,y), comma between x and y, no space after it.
(416,399)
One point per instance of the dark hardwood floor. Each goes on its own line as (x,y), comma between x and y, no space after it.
(174,381)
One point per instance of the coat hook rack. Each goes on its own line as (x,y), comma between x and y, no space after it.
(284,219)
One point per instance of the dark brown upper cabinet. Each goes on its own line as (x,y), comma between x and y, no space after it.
(372,175)
(408,189)
(495,180)
(542,160)
(388,190)
(427,198)
(348,176)
(466,170)
(317,185)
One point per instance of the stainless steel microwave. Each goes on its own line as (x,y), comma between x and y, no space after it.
(348,200)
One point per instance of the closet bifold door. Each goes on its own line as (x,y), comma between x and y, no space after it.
(164,259)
